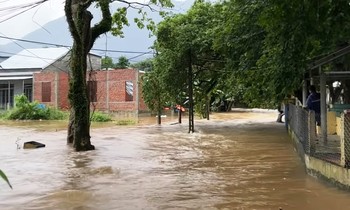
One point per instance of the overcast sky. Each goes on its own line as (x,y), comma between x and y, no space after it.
(26,22)
(15,22)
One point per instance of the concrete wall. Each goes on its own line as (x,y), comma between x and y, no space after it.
(327,171)
(331,123)
(339,125)
(334,124)
(332,173)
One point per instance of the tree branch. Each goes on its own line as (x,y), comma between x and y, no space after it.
(130,4)
(70,21)
(88,3)
(104,25)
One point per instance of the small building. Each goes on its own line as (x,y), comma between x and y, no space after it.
(113,90)
(43,75)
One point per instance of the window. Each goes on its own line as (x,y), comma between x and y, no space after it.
(46,92)
(6,96)
(129,91)
(92,88)
(28,91)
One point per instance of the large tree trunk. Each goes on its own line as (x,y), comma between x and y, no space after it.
(78,96)
(79,20)
(70,136)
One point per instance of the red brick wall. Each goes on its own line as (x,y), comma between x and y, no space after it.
(116,88)
(100,77)
(38,79)
(63,88)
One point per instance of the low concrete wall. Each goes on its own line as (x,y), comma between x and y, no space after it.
(331,123)
(329,172)
(339,125)
(297,145)
(334,174)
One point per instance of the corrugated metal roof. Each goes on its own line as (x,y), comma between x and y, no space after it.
(12,74)
(34,58)
(15,78)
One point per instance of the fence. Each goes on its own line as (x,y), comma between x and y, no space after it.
(333,148)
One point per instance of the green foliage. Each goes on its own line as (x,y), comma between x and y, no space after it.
(4,177)
(256,52)
(119,18)
(125,122)
(154,90)
(269,43)
(186,40)
(145,65)
(100,117)
(25,110)
(107,62)
(122,63)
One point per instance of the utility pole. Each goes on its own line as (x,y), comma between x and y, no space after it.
(207,106)
(190,94)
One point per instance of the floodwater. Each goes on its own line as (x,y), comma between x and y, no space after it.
(234,161)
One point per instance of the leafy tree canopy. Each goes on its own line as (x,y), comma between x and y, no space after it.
(122,63)
(145,65)
(254,51)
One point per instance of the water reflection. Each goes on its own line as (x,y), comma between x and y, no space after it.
(234,161)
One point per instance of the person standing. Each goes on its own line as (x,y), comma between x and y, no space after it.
(313,103)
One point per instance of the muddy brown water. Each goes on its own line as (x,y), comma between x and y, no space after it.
(234,161)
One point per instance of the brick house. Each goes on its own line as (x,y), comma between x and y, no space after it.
(43,75)
(109,90)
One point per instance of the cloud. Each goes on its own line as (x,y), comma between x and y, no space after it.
(16,25)
(16,22)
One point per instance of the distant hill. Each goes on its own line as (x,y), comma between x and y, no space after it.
(136,40)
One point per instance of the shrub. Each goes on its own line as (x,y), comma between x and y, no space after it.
(2,114)
(56,114)
(100,117)
(26,110)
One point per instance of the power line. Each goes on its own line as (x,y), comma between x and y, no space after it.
(142,54)
(25,7)
(61,45)
(22,6)
(28,56)
(59,68)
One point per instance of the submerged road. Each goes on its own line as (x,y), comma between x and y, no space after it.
(234,161)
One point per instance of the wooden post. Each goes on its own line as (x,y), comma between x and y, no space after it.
(190,95)
(180,113)
(137,96)
(311,79)
(107,89)
(56,91)
(8,95)
(304,93)
(323,105)
(345,140)
(208,106)
(312,133)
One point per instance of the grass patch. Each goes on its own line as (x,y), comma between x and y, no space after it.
(100,117)
(125,122)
